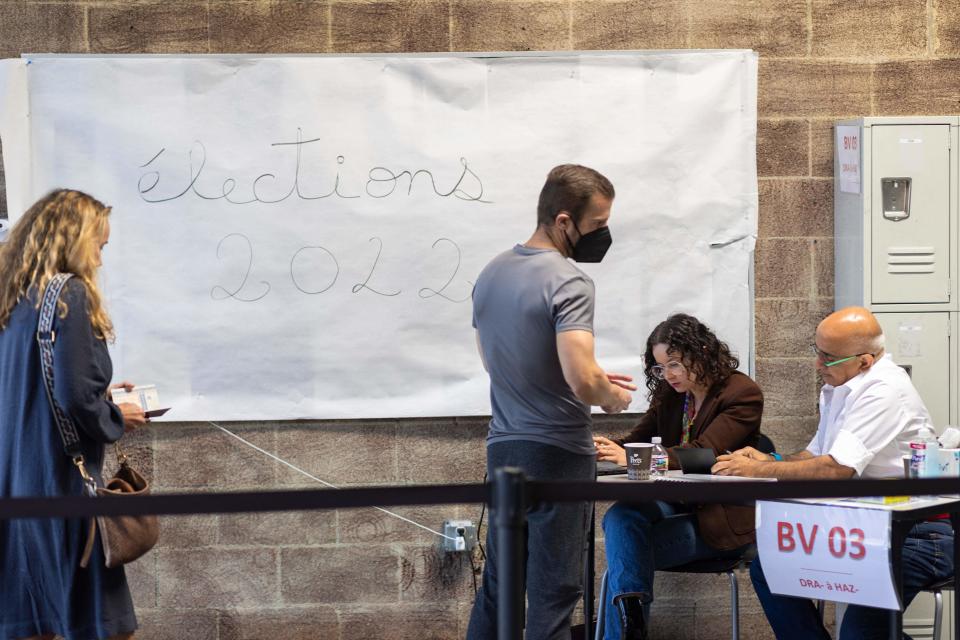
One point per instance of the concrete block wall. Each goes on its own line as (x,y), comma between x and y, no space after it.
(363,574)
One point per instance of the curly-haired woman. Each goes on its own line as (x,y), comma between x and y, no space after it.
(45,591)
(697,399)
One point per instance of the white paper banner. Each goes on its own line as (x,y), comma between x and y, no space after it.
(298,237)
(827,552)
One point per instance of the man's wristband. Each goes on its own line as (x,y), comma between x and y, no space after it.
(777,457)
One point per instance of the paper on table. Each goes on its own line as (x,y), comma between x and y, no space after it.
(708,477)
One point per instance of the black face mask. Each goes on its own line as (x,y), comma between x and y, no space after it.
(592,246)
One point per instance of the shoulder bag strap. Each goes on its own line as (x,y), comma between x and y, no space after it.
(46,338)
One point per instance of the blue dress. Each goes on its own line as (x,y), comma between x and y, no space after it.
(43,589)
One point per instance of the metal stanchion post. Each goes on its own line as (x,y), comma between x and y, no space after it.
(588,572)
(955,522)
(510,511)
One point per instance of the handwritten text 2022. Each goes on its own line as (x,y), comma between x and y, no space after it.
(314,270)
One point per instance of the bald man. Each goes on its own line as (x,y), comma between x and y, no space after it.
(869,413)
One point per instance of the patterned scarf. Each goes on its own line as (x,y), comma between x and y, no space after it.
(689,413)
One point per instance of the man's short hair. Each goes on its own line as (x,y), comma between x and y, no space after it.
(569,188)
(876,344)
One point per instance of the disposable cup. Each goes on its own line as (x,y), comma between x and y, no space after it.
(907,470)
(638,460)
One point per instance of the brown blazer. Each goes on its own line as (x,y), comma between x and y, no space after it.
(728,420)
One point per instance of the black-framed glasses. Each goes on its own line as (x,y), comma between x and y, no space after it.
(674,367)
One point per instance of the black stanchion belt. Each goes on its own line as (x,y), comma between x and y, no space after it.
(259,501)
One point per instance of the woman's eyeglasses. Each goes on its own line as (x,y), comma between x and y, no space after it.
(673,367)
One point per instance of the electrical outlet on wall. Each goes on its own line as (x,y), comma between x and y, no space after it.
(461,535)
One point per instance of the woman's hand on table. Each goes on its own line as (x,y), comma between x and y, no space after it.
(608,450)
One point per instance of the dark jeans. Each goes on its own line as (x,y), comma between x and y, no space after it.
(927,558)
(640,538)
(556,542)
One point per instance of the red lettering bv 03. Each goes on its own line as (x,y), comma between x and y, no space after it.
(786,542)
(838,540)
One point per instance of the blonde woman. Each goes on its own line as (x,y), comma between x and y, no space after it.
(45,591)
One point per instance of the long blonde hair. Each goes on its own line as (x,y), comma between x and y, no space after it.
(60,233)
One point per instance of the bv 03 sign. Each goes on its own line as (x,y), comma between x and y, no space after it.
(827,552)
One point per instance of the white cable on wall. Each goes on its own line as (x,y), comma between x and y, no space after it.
(324,482)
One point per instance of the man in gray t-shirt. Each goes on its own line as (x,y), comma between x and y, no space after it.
(533,312)
(522,300)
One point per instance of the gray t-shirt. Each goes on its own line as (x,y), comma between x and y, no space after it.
(521,301)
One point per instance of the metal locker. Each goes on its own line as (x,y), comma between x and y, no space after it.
(920,343)
(910,213)
(897,231)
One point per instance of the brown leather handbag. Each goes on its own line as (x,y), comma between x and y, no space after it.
(124,538)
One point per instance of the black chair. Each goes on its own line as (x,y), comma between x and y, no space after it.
(765,444)
(717,566)
(937,589)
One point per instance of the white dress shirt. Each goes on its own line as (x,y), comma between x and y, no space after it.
(868,422)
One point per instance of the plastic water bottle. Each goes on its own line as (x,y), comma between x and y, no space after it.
(658,458)
(923,453)
(932,463)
